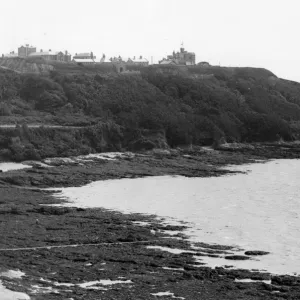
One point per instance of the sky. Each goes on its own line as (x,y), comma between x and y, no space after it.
(252,33)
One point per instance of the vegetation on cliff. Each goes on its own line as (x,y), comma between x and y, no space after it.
(160,107)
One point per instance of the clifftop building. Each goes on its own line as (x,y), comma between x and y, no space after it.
(84,58)
(136,60)
(140,61)
(180,58)
(52,55)
(11,54)
(25,51)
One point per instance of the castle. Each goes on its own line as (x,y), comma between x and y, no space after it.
(25,51)
(180,58)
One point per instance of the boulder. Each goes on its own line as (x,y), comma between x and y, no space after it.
(256,252)
(285,280)
(237,257)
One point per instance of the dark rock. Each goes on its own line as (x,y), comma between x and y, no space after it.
(130,238)
(284,289)
(190,268)
(198,277)
(267,287)
(52,210)
(80,259)
(217,247)
(220,270)
(253,293)
(212,255)
(199,254)
(285,280)
(186,254)
(237,257)
(187,275)
(154,265)
(197,263)
(241,286)
(256,252)
(171,227)
(260,276)
(80,209)
(172,266)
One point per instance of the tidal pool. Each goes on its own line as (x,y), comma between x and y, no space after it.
(259,210)
(6,294)
(9,166)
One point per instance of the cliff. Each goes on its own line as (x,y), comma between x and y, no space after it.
(23,66)
(157,107)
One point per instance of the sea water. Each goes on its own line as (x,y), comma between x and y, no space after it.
(10,166)
(259,210)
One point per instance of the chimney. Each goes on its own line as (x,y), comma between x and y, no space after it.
(134,57)
(66,52)
(41,50)
(49,50)
(141,57)
(92,55)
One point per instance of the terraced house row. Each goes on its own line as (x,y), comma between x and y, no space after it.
(182,57)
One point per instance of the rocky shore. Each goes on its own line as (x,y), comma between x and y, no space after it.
(76,253)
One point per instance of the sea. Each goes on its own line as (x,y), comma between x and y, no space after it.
(257,209)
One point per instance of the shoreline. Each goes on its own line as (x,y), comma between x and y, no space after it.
(26,223)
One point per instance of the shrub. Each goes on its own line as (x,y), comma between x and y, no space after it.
(5,110)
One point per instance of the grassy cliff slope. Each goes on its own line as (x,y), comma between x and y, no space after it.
(159,107)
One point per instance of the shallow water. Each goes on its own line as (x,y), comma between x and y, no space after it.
(12,274)
(9,166)
(168,294)
(6,294)
(255,211)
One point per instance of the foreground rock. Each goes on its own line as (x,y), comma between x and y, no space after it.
(256,252)
(72,253)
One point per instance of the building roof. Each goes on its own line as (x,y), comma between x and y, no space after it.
(83,54)
(167,62)
(124,59)
(27,46)
(44,53)
(11,55)
(139,60)
(83,60)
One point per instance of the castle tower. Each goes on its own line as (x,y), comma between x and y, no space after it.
(181,48)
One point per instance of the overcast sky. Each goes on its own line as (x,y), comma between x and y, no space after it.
(257,33)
